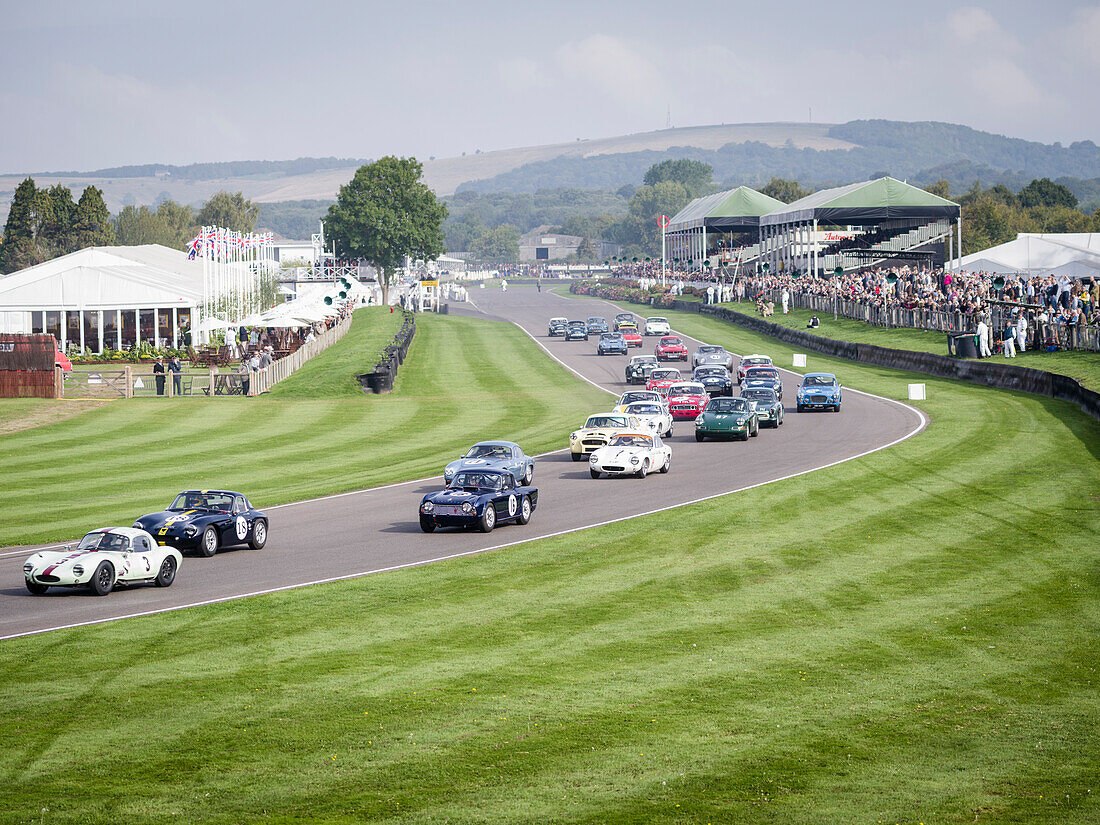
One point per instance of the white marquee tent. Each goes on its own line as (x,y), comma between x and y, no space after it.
(106,297)
(1074,255)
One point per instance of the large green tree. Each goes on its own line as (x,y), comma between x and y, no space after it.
(385,213)
(694,175)
(171,225)
(92,224)
(499,245)
(1045,192)
(785,190)
(229,210)
(20,248)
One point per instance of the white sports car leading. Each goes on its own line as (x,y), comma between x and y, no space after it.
(654,415)
(636,454)
(104,558)
(657,326)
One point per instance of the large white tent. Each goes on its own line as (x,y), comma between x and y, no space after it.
(106,297)
(1074,255)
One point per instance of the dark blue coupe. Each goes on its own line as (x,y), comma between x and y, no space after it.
(206,520)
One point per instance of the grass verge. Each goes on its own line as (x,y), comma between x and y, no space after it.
(1083,366)
(465,379)
(908,637)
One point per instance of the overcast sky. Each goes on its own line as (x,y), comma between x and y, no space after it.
(88,85)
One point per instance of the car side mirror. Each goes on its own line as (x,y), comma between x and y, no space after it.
(68,548)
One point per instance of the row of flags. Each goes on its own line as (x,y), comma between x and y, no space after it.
(223,242)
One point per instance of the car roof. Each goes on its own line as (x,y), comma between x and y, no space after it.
(755,355)
(693,385)
(217,492)
(627,432)
(762,367)
(496,444)
(819,375)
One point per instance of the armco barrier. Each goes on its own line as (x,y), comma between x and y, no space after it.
(380,380)
(990,374)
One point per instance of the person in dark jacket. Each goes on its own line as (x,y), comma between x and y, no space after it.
(158,375)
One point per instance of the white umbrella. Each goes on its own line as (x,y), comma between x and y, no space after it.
(210,324)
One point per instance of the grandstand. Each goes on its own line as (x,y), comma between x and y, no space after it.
(883,220)
(728,222)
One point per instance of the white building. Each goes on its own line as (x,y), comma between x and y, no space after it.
(102,297)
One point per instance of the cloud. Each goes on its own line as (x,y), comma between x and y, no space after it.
(614,67)
(521,74)
(1079,40)
(972,26)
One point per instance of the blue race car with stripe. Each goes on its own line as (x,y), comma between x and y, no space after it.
(206,520)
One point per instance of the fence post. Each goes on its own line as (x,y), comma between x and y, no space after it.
(170,376)
(128,375)
(58,382)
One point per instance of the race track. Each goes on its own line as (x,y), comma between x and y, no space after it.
(357,533)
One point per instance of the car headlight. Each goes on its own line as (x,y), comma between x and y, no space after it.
(634,459)
(448,472)
(467,507)
(592,459)
(427,507)
(698,419)
(78,570)
(137,525)
(741,421)
(573,436)
(191,531)
(28,568)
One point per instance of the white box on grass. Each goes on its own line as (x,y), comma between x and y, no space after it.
(916,392)
(799,360)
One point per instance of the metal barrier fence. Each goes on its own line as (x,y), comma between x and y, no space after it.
(141,382)
(1064,336)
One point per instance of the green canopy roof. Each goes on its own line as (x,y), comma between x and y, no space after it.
(733,209)
(862,202)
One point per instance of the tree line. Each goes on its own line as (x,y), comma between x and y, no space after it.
(45,223)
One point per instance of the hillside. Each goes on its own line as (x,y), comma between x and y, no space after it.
(814,153)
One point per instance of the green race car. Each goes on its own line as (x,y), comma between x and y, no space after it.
(769,409)
(727,417)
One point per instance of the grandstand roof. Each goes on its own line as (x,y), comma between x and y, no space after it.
(733,209)
(863,202)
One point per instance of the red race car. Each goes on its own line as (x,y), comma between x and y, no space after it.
(671,348)
(632,338)
(662,378)
(687,400)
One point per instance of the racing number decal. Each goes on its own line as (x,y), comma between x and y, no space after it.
(242,528)
(511,505)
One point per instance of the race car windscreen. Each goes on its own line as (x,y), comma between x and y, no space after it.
(759,395)
(818,381)
(727,405)
(707,372)
(483,481)
(658,375)
(603,422)
(645,409)
(761,372)
(193,500)
(685,389)
(631,441)
(104,541)
(489,451)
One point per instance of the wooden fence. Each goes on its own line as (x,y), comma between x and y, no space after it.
(141,381)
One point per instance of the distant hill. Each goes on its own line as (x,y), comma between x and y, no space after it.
(814,153)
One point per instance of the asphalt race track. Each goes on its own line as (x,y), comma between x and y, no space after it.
(357,533)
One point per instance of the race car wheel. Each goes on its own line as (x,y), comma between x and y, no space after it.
(745,437)
(801,408)
(103,579)
(699,436)
(755,431)
(427,523)
(594,473)
(577,456)
(524,511)
(643,471)
(167,573)
(669,433)
(209,544)
(259,535)
(488,519)
(668,464)
(36,588)
(528,474)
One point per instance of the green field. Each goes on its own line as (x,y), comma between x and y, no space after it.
(908,637)
(1084,366)
(466,379)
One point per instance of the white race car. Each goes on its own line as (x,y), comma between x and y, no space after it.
(104,558)
(657,326)
(654,415)
(636,454)
(598,430)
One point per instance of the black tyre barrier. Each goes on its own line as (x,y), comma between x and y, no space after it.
(380,380)
(986,373)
